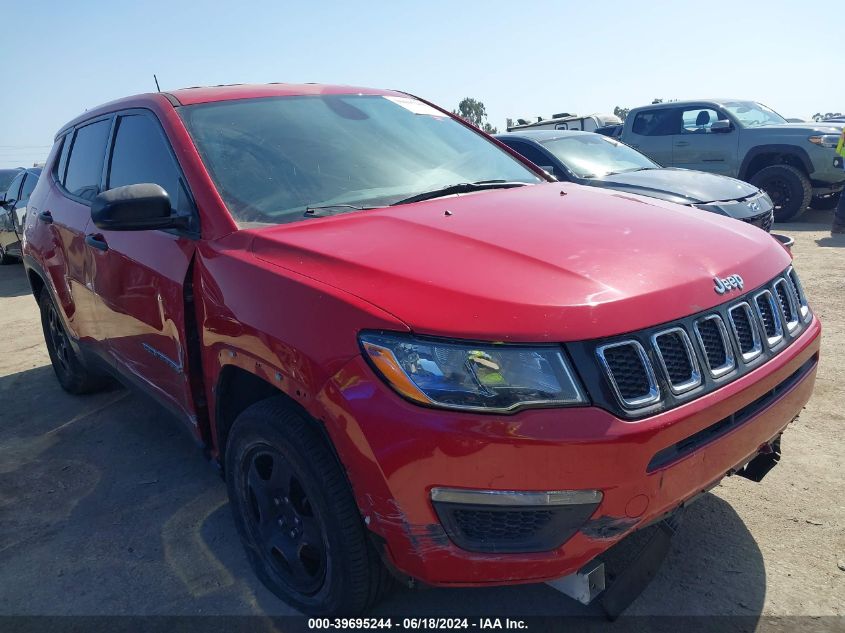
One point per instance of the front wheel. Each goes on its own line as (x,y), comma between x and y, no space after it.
(296,515)
(788,187)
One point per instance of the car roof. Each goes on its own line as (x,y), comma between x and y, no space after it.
(687,102)
(208,94)
(542,136)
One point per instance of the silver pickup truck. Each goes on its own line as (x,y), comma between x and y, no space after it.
(795,163)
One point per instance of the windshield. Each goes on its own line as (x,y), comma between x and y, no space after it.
(6,178)
(272,158)
(751,114)
(594,155)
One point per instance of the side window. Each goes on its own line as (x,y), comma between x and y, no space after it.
(662,122)
(533,154)
(12,191)
(141,155)
(85,164)
(699,120)
(28,187)
(61,164)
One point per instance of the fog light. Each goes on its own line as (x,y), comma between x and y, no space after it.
(512,521)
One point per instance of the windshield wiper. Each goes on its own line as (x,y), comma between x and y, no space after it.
(333,209)
(461,187)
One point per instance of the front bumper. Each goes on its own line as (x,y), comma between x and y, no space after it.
(396,452)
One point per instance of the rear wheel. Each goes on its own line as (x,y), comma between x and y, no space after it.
(5,258)
(296,514)
(788,187)
(73,376)
(824,204)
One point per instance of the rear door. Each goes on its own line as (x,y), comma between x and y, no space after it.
(652,131)
(139,276)
(697,147)
(56,230)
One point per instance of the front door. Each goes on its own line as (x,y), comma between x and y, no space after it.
(695,146)
(139,276)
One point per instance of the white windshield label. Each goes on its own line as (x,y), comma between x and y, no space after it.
(415,106)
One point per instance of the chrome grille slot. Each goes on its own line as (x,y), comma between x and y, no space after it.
(677,359)
(745,330)
(713,337)
(769,316)
(788,304)
(630,373)
(798,289)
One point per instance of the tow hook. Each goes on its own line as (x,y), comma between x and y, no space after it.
(766,459)
(589,582)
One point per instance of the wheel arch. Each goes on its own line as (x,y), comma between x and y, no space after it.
(774,154)
(236,390)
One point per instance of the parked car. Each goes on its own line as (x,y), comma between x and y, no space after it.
(566,121)
(598,161)
(13,212)
(793,162)
(404,346)
(6,177)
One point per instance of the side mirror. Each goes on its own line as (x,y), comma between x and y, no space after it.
(721,127)
(143,207)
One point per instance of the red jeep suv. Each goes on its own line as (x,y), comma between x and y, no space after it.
(409,351)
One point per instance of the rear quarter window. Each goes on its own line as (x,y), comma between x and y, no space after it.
(85,164)
(663,122)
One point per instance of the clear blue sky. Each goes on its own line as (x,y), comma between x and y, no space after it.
(519,58)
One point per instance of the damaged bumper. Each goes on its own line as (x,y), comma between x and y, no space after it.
(624,475)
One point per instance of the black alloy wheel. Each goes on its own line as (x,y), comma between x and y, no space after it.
(282,520)
(788,187)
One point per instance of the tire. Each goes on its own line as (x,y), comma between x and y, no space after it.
(296,515)
(788,187)
(5,259)
(72,375)
(825,204)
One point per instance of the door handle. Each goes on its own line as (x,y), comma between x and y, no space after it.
(46,217)
(95,240)
(681,143)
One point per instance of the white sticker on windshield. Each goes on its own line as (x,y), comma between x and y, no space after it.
(416,106)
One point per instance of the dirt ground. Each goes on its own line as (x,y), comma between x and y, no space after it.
(107,507)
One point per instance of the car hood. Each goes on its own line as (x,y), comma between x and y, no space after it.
(683,186)
(822,127)
(550,262)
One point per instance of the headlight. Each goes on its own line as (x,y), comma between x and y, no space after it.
(825,140)
(484,376)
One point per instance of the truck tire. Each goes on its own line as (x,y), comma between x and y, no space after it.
(296,515)
(72,375)
(825,204)
(788,187)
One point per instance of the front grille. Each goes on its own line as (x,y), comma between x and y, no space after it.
(767,312)
(713,338)
(677,359)
(745,330)
(788,303)
(763,221)
(730,340)
(630,372)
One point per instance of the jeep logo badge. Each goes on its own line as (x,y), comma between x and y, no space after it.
(727,284)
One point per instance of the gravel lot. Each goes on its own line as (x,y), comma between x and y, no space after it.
(107,507)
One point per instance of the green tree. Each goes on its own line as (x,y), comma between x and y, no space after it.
(622,113)
(473,111)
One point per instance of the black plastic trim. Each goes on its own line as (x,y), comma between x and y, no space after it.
(689,445)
